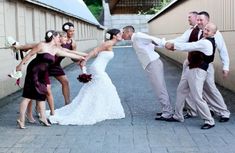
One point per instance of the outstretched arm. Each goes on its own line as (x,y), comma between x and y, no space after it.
(25,47)
(151,39)
(182,38)
(76,52)
(34,51)
(95,51)
(202,45)
(68,53)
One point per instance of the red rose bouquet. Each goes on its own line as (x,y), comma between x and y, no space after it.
(84,77)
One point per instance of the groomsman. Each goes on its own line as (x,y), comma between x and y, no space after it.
(200,54)
(144,46)
(211,94)
(192,20)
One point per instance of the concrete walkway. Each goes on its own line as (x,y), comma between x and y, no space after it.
(137,133)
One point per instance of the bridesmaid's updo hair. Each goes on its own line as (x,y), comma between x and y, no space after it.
(62,33)
(110,33)
(66,26)
(50,34)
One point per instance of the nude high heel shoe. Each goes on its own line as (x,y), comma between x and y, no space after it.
(20,124)
(44,123)
(32,121)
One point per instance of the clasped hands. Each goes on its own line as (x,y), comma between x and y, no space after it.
(82,63)
(169,46)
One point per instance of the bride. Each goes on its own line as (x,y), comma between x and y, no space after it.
(98,99)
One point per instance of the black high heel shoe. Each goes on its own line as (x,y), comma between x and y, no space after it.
(44,123)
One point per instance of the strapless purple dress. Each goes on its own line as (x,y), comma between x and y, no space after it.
(55,69)
(36,80)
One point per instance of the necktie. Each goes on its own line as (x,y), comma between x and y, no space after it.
(201,36)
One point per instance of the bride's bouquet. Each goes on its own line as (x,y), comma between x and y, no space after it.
(84,77)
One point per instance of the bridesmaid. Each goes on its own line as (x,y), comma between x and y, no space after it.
(56,70)
(35,87)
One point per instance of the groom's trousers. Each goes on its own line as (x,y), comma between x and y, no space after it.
(155,72)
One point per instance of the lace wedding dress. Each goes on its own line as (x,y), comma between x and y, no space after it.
(97,100)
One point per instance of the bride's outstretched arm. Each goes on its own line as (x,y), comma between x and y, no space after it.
(94,52)
(104,46)
(91,54)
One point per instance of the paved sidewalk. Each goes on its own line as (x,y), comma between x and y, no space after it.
(137,133)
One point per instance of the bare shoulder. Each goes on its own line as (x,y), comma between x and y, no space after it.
(41,44)
(58,48)
(107,44)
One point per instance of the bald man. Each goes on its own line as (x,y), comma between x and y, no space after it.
(211,94)
(195,75)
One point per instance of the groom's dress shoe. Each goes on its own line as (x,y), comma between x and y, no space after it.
(160,118)
(207,126)
(159,114)
(224,119)
(187,116)
(172,119)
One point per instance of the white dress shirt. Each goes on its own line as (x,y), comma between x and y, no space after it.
(219,41)
(202,45)
(143,45)
(183,38)
(223,52)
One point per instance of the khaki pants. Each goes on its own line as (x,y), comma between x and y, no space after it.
(192,81)
(211,95)
(155,73)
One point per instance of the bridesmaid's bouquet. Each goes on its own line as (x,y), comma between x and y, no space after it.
(11,43)
(16,75)
(84,77)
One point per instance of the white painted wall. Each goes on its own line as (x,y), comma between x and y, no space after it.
(27,23)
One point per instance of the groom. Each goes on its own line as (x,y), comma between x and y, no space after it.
(144,46)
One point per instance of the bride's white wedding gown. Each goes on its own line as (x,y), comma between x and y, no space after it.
(97,100)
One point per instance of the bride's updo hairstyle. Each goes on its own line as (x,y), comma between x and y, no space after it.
(66,26)
(49,35)
(110,33)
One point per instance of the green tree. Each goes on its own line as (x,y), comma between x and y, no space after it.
(95,6)
(157,8)
(93,2)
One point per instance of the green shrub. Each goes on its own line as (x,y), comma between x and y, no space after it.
(157,8)
(95,10)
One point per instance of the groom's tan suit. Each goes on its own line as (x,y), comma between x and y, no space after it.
(153,66)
